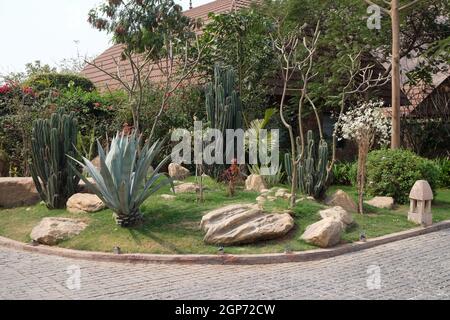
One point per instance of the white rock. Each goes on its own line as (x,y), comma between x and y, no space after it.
(168,197)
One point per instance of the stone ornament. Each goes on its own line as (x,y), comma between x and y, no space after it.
(420,197)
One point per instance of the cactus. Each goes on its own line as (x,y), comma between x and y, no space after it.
(53,139)
(312,169)
(223,105)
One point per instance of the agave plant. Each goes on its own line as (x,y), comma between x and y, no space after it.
(122,181)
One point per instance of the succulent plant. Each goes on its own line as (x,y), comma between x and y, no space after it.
(53,139)
(122,182)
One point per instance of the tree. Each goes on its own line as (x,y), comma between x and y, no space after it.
(155,35)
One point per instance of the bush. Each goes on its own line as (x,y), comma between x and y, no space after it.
(444,167)
(344,173)
(59,81)
(394,172)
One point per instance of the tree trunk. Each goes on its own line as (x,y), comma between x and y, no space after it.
(361,176)
(395,19)
(294,180)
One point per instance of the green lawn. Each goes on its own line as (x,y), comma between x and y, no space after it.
(173,226)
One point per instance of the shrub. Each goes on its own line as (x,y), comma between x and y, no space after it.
(59,81)
(394,172)
(444,168)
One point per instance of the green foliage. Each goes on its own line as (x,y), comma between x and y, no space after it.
(58,81)
(122,181)
(53,139)
(4,164)
(142,25)
(394,172)
(444,168)
(239,39)
(344,173)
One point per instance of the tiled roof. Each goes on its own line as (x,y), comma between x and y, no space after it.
(110,59)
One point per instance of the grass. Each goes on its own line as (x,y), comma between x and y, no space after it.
(173,227)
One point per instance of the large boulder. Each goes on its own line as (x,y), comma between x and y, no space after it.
(178,172)
(338,213)
(342,199)
(17,192)
(255,182)
(51,231)
(381,202)
(84,203)
(243,223)
(324,233)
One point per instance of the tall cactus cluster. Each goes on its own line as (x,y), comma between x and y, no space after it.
(223,103)
(312,169)
(52,141)
(223,107)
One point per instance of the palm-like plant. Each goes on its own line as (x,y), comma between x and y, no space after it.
(122,181)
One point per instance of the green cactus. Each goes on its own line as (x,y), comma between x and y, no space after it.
(53,139)
(312,169)
(223,105)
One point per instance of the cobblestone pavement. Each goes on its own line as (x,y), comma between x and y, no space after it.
(415,268)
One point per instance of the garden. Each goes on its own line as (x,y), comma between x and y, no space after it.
(91,168)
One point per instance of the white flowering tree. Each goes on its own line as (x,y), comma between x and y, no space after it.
(365,124)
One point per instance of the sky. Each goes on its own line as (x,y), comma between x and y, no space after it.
(50,31)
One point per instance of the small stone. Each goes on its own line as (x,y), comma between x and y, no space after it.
(339,214)
(261,199)
(84,203)
(299,200)
(324,233)
(188,187)
(177,171)
(255,182)
(342,199)
(310,198)
(168,197)
(264,191)
(381,202)
(271,198)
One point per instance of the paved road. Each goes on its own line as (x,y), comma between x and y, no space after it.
(417,268)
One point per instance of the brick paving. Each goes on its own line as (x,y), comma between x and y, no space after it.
(415,268)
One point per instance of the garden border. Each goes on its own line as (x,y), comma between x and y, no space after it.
(225,259)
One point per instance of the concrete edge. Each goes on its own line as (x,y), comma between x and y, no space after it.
(225,259)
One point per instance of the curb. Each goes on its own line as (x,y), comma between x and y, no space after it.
(225,259)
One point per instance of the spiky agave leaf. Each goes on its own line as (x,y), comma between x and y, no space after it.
(120,182)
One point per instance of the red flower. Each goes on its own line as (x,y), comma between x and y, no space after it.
(4,89)
(28,91)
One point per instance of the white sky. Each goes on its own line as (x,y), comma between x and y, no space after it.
(46,30)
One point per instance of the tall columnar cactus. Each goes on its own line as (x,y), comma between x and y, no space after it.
(223,105)
(53,139)
(312,169)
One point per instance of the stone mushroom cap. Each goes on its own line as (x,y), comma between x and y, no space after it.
(421,190)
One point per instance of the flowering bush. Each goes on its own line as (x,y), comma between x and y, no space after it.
(365,124)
